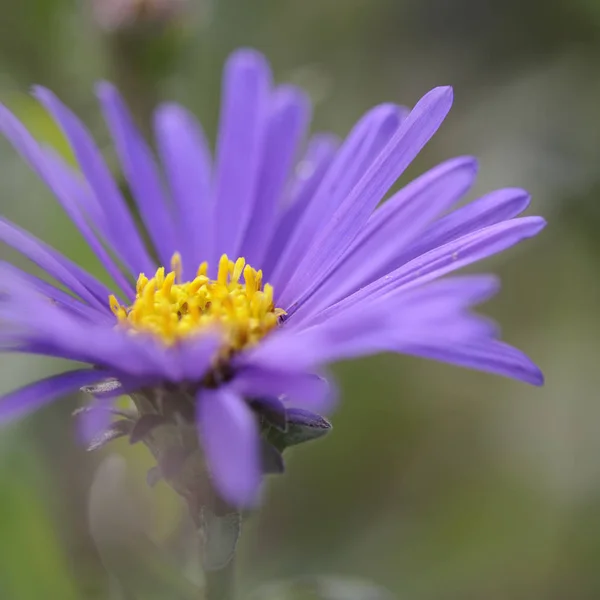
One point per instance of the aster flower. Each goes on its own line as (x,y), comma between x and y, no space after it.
(262,268)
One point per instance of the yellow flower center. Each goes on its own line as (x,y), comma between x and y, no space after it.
(172,310)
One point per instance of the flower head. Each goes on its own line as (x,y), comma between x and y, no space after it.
(268,267)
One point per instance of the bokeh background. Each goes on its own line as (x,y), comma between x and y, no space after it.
(437,483)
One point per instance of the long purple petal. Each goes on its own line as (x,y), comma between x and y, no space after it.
(490,209)
(435,312)
(288,119)
(186,158)
(29,398)
(74,191)
(230,438)
(392,227)
(66,185)
(490,356)
(462,340)
(305,390)
(308,350)
(124,234)
(244,112)
(337,235)
(55,264)
(41,324)
(309,174)
(357,154)
(63,299)
(140,170)
(440,261)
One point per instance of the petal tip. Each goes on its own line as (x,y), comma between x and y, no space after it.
(469,163)
(442,93)
(105,89)
(247,59)
(539,223)
(168,110)
(536,377)
(41,93)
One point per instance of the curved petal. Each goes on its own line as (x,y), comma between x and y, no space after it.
(124,237)
(288,119)
(231,441)
(351,216)
(495,207)
(464,340)
(244,112)
(44,327)
(57,296)
(74,190)
(440,261)
(490,356)
(31,397)
(196,356)
(55,264)
(67,186)
(186,158)
(391,227)
(305,390)
(94,419)
(356,155)
(309,174)
(140,170)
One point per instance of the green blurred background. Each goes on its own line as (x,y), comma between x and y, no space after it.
(437,483)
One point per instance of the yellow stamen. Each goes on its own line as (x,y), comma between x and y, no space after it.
(172,310)
(176,266)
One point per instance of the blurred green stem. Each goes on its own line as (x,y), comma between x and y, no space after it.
(220,584)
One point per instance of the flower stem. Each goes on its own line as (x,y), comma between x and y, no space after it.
(220,583)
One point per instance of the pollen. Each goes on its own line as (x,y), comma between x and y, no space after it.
(236,301)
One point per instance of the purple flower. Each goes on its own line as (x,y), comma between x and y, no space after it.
(346,278)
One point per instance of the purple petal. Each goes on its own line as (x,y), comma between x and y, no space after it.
(489,356)
(66,186)
(490,209)
(392,227)
(440,261)
(31,397)
(270,408)
(244,111)
(42,325)
(124,235)
(231,441)
(458,291)
(55,264)
(75,190)
(59,297)
(432,313)
(186,158)
(355,157)
(141,172)
(289,351)
(288,119)
(94,419)
(466,250)
(337,235)
(197,355)
(459,339)
(309,174)
(305,390)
